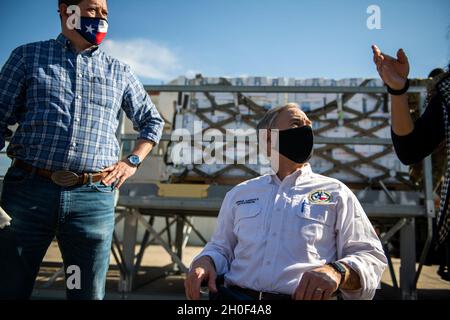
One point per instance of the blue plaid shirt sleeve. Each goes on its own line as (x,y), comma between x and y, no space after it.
(140,110)
(12,92)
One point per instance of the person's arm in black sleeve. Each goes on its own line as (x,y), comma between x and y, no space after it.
(428,133)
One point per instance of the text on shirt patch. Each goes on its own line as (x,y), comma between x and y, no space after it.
(248,201)
(320,196)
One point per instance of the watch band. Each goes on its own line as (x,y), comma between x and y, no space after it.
(340,269)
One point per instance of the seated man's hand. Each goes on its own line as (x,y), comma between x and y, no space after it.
(202,270)
(318,284)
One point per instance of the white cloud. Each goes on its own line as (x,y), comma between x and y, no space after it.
(147,59)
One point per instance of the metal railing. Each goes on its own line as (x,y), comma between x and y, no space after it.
(213,88)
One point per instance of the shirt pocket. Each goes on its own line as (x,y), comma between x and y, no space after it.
(102,92)
(248,223)
(316,213)
(315,227)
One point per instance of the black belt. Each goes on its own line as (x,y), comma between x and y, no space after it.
(259,295)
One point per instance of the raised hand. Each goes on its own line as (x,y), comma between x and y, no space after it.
(393,71)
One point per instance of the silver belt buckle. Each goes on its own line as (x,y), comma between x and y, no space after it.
(65,178)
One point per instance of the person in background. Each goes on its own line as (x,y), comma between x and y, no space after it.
(66,95)
(439,155)
(413,141)
(291,235)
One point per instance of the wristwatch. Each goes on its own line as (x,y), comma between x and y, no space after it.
(134,160)
(340,269)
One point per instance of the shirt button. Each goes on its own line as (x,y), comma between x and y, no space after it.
(77,119)
(80,75)
(78,97)
(274,234)
(74,144)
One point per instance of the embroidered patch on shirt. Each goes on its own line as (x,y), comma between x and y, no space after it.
(248,201)
(320,196)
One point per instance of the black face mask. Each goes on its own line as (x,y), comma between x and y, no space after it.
(297,144)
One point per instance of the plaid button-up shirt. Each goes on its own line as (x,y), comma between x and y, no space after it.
(68,106)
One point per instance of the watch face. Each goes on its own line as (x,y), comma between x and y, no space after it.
(134,160)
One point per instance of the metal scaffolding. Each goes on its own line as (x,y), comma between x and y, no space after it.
(403,207)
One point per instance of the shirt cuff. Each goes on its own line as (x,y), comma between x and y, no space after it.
(151,136)
(220,261)
(367,291)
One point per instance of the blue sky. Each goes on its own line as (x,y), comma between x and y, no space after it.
(162,39)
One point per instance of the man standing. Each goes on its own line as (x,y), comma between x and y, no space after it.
(66,95)
(291,235)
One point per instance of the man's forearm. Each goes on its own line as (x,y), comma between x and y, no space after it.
(143,148)
(402,123)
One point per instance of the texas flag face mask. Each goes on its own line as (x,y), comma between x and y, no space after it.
(94,30)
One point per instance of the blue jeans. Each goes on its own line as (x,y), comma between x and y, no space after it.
(82,220)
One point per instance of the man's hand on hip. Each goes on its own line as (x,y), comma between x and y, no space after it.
(120,172)
(202,269)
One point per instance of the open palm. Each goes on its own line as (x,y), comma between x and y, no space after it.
(394,72)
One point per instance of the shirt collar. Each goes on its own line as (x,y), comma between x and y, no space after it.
(62,39)
(298,175)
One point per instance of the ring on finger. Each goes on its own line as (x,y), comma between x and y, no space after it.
(318,291)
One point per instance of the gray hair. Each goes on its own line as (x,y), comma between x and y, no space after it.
(269,118)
